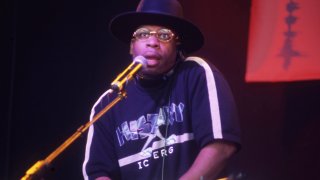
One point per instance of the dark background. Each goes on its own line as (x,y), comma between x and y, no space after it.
(57,58)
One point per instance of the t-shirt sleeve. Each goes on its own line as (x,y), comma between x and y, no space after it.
(100,157)
(214,113)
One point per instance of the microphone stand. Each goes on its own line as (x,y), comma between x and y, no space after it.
(39,167)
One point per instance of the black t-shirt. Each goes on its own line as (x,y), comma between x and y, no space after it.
(159,129)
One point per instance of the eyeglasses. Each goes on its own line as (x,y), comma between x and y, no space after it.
(163,35)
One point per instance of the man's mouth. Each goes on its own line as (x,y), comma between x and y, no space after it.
(152,62)
(153,59)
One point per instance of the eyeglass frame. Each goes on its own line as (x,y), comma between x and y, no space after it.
(154,32)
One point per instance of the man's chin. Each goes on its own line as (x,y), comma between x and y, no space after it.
(149,74)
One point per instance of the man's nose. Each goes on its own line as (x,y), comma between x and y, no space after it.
(153,41)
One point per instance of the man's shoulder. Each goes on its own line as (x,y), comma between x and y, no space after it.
(195,59)
(200,63)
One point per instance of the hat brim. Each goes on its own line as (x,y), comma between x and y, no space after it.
(123,26)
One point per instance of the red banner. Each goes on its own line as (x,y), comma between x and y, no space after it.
(284,41)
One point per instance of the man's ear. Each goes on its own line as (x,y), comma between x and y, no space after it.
(180,52)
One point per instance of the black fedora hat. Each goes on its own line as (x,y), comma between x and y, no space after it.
(167,13)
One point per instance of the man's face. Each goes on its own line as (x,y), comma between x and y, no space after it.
(159,49)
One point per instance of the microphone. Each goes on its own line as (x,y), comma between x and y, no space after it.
(128,73)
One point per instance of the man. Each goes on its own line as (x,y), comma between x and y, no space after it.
(179,119)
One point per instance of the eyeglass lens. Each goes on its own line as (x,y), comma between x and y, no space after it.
(162,34)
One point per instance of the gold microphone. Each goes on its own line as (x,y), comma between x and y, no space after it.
(138,62)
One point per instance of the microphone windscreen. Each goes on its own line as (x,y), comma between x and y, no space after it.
(140,59)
